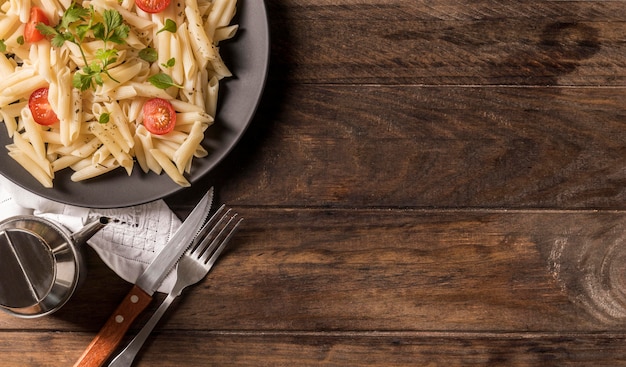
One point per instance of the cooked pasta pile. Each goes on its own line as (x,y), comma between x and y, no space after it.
(101,128)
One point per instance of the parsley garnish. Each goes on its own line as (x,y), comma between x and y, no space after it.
(3,46)
(78,23)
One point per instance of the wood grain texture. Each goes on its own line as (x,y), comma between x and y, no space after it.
(431,146)
(413,270)
(404,270)
(342,349)
(432,183)
(485,43)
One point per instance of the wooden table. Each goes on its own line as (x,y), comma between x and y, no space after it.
(426,183)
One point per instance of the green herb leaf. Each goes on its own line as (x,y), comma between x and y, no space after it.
(94,68)
(107,56)
(170,63)
(112,19)
(46,30)
(73,14)
(58,40)
(120,34)
(163,81)
(82,81)
(79,24)
(104,118)
(20,40)
(99,31)
(116,30)
(148,54)
(3,46)
(82,30)
(97,78)
(170,26)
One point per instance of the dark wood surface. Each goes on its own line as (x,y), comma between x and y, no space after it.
(426,183)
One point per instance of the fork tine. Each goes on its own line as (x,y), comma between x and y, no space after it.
(222,239)
(208,242)
(206,230)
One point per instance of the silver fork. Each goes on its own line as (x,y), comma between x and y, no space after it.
(192,267)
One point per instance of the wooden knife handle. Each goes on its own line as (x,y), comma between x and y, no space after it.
(111,334)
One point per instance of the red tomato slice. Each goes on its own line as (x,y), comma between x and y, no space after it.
(31,34)
(40,107)
(152,6)
(159,116)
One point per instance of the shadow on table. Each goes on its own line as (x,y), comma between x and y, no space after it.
(228,172)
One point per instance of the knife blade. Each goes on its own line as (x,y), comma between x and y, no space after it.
(140,296)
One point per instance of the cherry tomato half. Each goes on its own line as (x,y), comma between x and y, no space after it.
(31,33)
(159,116)
(40,107)
(152,6)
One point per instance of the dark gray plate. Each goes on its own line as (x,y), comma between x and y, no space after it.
(247,56)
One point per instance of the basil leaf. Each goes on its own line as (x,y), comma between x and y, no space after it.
(148,54)
(170,63)
(162,81)
(169,26)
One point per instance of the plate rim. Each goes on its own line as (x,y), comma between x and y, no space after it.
(258,16)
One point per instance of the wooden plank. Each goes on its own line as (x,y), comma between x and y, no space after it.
(426,146)
(357,350)
(486,43)
(415,270)
(166,349)
(400,270)
(421,10)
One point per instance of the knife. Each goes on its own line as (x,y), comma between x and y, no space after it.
(140,296)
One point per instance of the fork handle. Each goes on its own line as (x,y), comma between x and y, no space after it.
(111,334)
(125,357)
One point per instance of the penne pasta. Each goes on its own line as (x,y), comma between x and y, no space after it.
(29,150)
(169,167)
(186,118)
(8,24)
(86,149)
(200,40)
(33,133)
(28,164)
(94,169)
(7,66)
(183,155)
(146,145)
(97,86)
(108,139)
(225,33)
(63,162)
(120,124)
(211,96)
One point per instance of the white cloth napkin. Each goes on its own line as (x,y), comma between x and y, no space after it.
(127,244)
